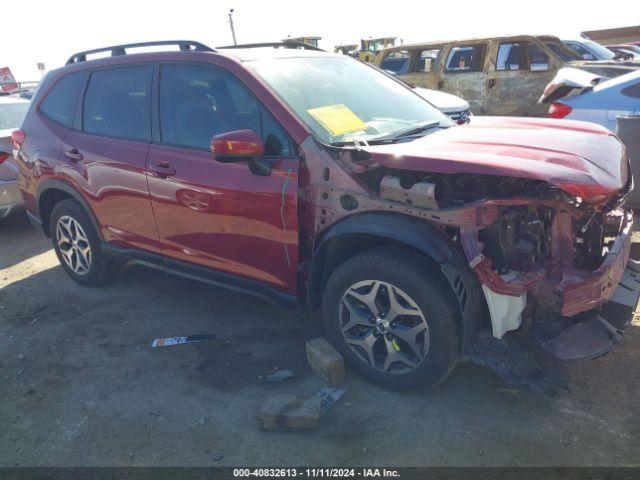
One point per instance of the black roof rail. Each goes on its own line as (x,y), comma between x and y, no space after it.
(117,50)
(293,45)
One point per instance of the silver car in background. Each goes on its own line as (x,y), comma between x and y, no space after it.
(454,107)
(590,50)
(12,112)
(578,95)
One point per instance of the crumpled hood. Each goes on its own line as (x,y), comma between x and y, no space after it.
(581,158)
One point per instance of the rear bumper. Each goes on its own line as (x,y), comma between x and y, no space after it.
(10,197)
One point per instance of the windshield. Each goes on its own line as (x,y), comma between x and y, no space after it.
(12,114)
(565,53)
(601,52)
(342,99)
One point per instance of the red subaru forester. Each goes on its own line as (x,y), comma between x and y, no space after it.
(312,179)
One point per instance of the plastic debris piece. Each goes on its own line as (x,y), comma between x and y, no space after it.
(329,397)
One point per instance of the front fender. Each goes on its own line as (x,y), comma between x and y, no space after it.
(416,234)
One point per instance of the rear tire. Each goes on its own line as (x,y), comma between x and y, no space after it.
(393,316)
(77,245)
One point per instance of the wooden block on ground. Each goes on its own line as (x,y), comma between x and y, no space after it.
(326,360)
(289,412)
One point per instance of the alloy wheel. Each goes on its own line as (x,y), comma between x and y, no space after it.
(73,244)
(384,326)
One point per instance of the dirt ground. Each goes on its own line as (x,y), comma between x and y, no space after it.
(80,385)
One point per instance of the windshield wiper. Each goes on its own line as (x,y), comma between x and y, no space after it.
(413,130)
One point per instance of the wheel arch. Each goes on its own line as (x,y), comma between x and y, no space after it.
(51,192)
(371,230)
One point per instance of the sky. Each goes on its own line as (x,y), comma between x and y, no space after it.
(50,31)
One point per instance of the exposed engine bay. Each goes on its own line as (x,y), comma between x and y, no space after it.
(526,240)
(521,237)
(520,240)
(541,233)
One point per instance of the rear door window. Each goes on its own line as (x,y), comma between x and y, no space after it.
(538,59)
(428,60)
(60,103)
(198,102)
(117,103)
(509,56)
(397,62)
(466,58)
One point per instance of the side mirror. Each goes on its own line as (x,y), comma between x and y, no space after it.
(237,146)
(241,146)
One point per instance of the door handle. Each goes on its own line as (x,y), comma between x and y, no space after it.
(492,82)
(74,155)
(162,170)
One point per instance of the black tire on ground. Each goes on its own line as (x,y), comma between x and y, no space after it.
(424,283)
(102,268)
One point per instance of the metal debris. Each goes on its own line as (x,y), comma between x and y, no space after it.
(168,342)
(279,376)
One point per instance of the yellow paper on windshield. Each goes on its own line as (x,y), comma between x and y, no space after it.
(337,119)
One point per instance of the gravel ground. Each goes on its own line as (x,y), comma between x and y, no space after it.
(81,386)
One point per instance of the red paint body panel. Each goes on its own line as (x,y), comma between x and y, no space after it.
(222,216)
(582,158)
(112,178)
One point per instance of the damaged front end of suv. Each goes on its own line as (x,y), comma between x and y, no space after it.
(533,220)
(504,241)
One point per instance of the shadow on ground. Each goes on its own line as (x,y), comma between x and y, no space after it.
(83,387)
(18,241)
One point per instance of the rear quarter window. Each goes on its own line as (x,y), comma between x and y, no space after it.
(60,103)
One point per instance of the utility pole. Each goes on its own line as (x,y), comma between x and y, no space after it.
(233,32)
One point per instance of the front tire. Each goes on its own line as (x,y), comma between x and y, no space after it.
(393,317)
(77,245)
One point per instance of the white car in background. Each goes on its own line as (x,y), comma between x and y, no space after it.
(578,95)
(12,111)
(456,108)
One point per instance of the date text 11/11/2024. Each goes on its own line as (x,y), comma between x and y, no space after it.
(315,473)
